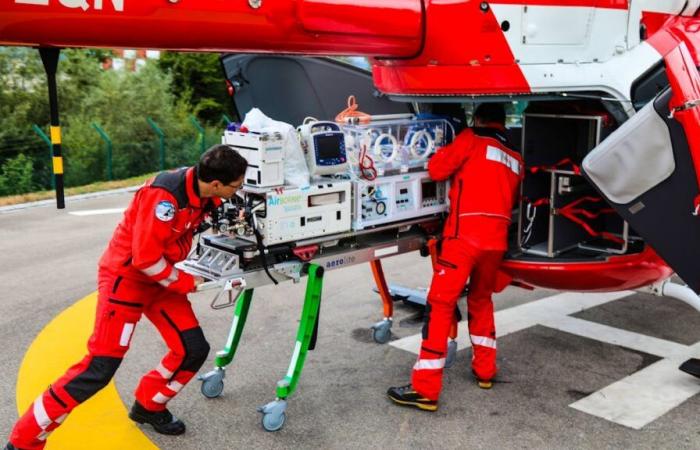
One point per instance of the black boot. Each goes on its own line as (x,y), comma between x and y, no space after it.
(407,396)
(692,367)
(162,421)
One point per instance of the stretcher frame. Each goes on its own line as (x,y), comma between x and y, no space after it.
(370,247)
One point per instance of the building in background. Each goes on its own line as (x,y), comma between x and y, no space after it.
(129,60)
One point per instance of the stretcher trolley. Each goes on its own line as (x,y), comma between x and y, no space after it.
(234,268)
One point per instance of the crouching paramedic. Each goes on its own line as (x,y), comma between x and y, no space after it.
(484,175)
(136,276)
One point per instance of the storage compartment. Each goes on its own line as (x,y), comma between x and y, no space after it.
(561,214)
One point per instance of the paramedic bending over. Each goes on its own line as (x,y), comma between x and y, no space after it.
(484,174)
(136,276)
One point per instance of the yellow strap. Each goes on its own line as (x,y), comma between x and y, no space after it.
(58,165)
(55,135)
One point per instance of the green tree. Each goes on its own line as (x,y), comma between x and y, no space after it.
(199,81)
(121,103)
(16,176)
(118,101)
(22,100)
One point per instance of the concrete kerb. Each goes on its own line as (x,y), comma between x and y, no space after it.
(70,199)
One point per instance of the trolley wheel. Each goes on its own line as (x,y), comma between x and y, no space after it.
(381,332)
(212,383)
(273,414)
(273,421)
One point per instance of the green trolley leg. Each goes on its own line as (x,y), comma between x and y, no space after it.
(213,382)
(274,412)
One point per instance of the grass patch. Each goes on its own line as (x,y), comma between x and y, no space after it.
(77,190)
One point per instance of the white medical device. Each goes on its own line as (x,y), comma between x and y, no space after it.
(397,197)
(264,153)
(324,146)
(294,214)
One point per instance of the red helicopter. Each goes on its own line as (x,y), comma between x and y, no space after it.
(577,72)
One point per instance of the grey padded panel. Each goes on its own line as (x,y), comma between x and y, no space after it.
(662,215)
(634,159)
(290,88)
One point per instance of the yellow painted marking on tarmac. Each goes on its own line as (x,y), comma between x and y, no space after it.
(101,423)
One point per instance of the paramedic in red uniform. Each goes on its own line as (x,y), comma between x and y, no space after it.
(136,277)
(484,175)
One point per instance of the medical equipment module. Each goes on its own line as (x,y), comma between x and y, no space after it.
(395,198)
(396,146)
(264,153)
(324,146)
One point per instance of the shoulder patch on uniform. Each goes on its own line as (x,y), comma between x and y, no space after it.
(165,211)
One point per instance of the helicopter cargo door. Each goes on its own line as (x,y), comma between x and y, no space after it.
(290,88)
(647,169)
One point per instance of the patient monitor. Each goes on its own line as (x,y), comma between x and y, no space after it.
(324,147)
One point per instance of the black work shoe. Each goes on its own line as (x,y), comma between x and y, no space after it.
(162,421)
(406,396)
(691,367)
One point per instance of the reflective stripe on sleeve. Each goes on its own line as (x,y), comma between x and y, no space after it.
(40,414)
(430,364)
(174,275)
(156,268)
(483,341)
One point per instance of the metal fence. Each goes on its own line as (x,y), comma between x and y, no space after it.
(26,160)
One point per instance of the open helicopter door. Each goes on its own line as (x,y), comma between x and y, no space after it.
(290,88)
(647,169)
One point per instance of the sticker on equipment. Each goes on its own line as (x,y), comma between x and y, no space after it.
(165,211)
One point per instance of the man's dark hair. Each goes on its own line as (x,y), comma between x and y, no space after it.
(491,113)
(222,163)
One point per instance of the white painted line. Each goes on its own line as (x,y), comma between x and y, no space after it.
(634,401)
(616,336)
(97,212)
(69,200)
(643,396)
(525,316)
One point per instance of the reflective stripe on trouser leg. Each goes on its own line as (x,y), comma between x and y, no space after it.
(481,321)
(449,277)
(81,381)
(173,316)
(40,419)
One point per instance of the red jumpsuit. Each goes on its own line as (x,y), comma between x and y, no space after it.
(485,175)
(136,276)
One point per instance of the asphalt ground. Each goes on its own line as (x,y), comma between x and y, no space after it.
(49,260)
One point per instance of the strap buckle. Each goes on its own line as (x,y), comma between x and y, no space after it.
(685,106)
